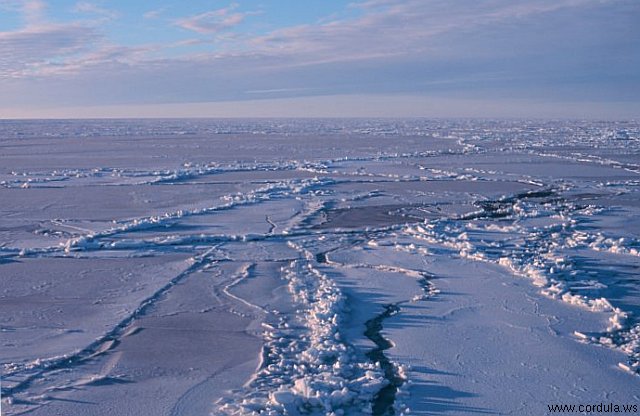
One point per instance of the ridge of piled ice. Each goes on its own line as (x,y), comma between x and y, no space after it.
(307,366)
(503,194)
(538,254)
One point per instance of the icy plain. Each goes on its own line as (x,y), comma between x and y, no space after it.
(322,267)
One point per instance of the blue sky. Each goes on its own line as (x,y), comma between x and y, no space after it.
(431,58)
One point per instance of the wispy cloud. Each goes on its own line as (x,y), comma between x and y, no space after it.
(42,47)
(278,90)
(465,47)
(385,29)
(34,12)
(40,42)
(154,14)
(392,28)
(24,52)
(214,21)
(92,8)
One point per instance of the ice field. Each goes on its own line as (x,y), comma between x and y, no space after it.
(321,267)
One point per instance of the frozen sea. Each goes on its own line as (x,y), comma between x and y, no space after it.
(318,267)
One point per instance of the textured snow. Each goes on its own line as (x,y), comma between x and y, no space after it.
(321,267)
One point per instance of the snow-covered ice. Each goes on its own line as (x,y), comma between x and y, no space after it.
(321,267)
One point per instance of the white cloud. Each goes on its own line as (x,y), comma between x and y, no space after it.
(34,12)
(343,106)
(393,28)
(92,8)
(154,14)
(214,21)
(41,47)
(385,30)
(389,46)
(23,51)
(278,90)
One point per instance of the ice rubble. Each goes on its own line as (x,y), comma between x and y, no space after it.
(307,366)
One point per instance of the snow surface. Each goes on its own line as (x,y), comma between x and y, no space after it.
(322,267)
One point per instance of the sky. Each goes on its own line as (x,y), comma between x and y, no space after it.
(320,58)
